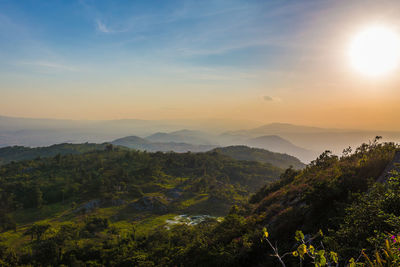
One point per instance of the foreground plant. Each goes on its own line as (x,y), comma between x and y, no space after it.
(318,257)
(388,256)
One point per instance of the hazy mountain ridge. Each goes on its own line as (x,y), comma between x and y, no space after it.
(183,136)
(139,143)
(278,144)
(276,128)
(315,138)
(175,142)
(308,142)
(261,155)
(128,141)
(180,142)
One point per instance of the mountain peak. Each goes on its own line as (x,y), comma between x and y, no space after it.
(130,139)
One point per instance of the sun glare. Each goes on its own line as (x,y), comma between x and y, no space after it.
(375,51)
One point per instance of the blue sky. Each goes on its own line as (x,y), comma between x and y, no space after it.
(73,34)
(199,58)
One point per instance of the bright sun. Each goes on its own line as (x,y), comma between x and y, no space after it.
(375,51)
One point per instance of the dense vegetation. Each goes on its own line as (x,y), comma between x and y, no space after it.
(323,195)
(333,195)
(18,153)
(121,174)
(261,155)
(118,187)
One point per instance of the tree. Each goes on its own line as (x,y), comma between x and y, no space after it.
(37,230)
(37,197)
(109,147)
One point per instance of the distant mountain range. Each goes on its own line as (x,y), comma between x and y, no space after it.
(278,144)
(304,142)
(314,138)
(183,136)
(179,142)
(281,128)
(270,144)
(139,143)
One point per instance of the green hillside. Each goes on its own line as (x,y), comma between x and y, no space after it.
(119,208)
(318,196)
(119,190)
(261,155)
(17,153)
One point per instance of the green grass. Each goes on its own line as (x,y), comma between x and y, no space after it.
(151,222)
(193,201)
(53,211)
(11,238)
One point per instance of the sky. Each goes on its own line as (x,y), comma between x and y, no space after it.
(244,60)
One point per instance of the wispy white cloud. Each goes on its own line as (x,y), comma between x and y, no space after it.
(102,27)
(106,28)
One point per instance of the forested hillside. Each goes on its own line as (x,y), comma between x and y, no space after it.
(261,155)
(117,208)
(17,153)
(120,174)
(116,188)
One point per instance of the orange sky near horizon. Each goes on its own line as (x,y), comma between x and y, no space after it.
(292,66)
